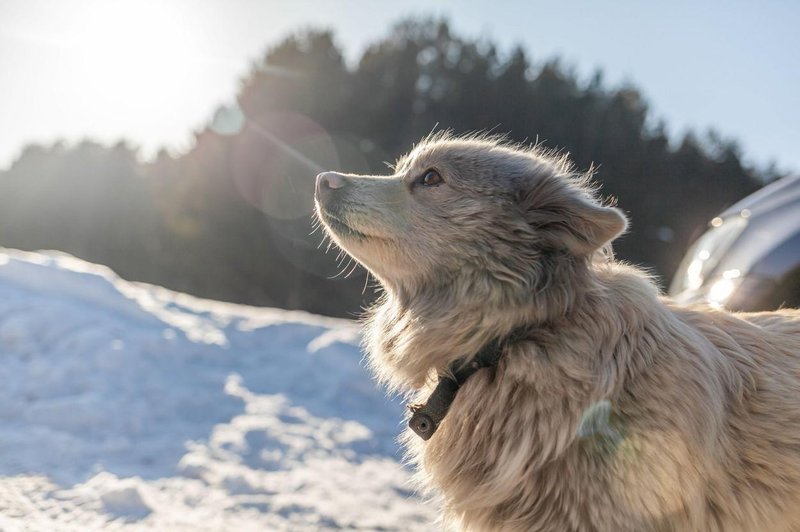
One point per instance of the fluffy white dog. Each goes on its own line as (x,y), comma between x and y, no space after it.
(569,394)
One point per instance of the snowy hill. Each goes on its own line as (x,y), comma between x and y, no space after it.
(130,407)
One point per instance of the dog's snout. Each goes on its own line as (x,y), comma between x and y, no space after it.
(328,182)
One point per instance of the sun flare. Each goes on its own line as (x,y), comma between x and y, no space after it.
(136,53)
(121,69)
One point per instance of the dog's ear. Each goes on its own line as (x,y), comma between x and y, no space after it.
(571,218)
(593,226)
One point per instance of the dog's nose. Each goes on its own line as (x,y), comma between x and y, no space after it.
(328,182)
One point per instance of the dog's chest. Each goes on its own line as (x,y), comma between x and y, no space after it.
(514,452)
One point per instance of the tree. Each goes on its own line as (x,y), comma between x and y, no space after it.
(230,219)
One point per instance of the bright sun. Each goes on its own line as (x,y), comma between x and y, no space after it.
(132,42)
(124,68)
(136,54)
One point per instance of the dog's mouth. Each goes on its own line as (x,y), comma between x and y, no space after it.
(338,226)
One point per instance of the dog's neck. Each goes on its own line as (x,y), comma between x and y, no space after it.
(427,416)
(413,336)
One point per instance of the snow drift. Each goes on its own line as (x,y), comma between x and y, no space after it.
(127,406)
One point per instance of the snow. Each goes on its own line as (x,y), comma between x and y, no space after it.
(126,406)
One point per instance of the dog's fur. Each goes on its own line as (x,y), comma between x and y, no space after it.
(620,411)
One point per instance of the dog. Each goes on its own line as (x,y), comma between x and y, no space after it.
(608,407)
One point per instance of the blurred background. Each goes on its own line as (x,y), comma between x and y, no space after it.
(177,141)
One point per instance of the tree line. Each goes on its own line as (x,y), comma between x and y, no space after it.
(231,218)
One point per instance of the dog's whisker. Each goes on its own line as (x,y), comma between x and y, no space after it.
(355,267)
(342,269)
(366,282)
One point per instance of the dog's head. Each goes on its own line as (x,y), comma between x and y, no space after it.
(476,206)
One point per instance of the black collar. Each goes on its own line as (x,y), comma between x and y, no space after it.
(426,417)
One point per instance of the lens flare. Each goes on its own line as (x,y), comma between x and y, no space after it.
(276,160)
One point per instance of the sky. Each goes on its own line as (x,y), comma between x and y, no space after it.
(152,72)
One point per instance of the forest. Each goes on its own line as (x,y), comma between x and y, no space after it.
(231,218)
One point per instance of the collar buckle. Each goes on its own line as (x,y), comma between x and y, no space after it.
(426,417)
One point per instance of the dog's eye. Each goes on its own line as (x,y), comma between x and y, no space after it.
(431,178)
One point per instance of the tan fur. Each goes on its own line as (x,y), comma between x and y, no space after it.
(620,411)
